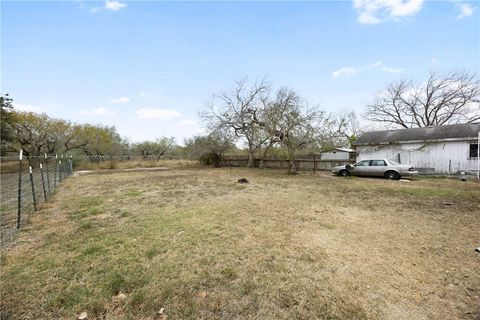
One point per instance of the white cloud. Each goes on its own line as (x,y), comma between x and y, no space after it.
(466,10)
(28,108)
(434,60)
(405,8)
(155,113)
(368,18)
(344,72)
(376,64)
(378,11)
(121,100)
(350,71)
(98,112)
(392,70)
(114,5)
(142,94)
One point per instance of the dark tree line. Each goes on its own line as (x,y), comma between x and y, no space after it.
(37,134)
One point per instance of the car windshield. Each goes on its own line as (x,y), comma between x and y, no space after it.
(393,162)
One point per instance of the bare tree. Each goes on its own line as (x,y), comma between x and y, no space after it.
(272,118)
(298,125)
(443,99)
(157,148)
(239,112)
(344,128)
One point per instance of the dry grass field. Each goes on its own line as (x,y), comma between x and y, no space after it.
(198,244)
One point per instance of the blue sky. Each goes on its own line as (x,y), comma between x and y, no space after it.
(148,67)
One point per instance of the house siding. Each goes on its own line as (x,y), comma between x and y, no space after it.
(338,155)
(445,157)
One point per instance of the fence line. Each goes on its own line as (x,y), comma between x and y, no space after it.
(125,157)
(22,192)
(305,163)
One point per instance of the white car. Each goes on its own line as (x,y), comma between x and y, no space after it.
(377,168)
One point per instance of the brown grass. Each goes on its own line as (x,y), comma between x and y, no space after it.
(129,164)
(203,246)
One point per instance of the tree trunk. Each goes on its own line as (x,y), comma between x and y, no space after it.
(251,159)
(291,163)
(264,155)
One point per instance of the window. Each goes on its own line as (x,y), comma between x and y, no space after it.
(473,151)
(363,163)
(377,163)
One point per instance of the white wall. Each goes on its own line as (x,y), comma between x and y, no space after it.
(338,155)
(446,157)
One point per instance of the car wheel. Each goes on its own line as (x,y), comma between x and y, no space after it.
(344,173)
(392,175)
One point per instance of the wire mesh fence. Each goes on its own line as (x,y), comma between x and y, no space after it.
(23,191)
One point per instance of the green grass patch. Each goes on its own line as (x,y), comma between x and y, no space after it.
(87,225)
(133,193)
(85,213)
(115,283)
(90,201)
(152,252)
(92,249)
(121,213)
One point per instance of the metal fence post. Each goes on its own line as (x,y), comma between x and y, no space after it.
(19,208)
(314,163)
(69,164)
(33,189)
(61,175)
(55,173)
(63,168)
(66,165)
(478,156)
(60,171)
(64,173)
(43,182)
(48,179)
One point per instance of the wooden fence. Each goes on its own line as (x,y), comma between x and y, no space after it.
(303,163)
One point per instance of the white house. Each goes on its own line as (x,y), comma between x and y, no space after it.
(446,149)
(340,154)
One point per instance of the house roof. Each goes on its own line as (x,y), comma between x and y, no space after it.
(454,131)
(345,149)
(340,149)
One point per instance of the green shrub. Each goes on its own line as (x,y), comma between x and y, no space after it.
(210,158)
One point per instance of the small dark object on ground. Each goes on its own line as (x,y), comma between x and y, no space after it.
(448,203)
(243,180)
(478,249)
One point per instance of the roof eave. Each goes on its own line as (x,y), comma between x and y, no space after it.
(416,141)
